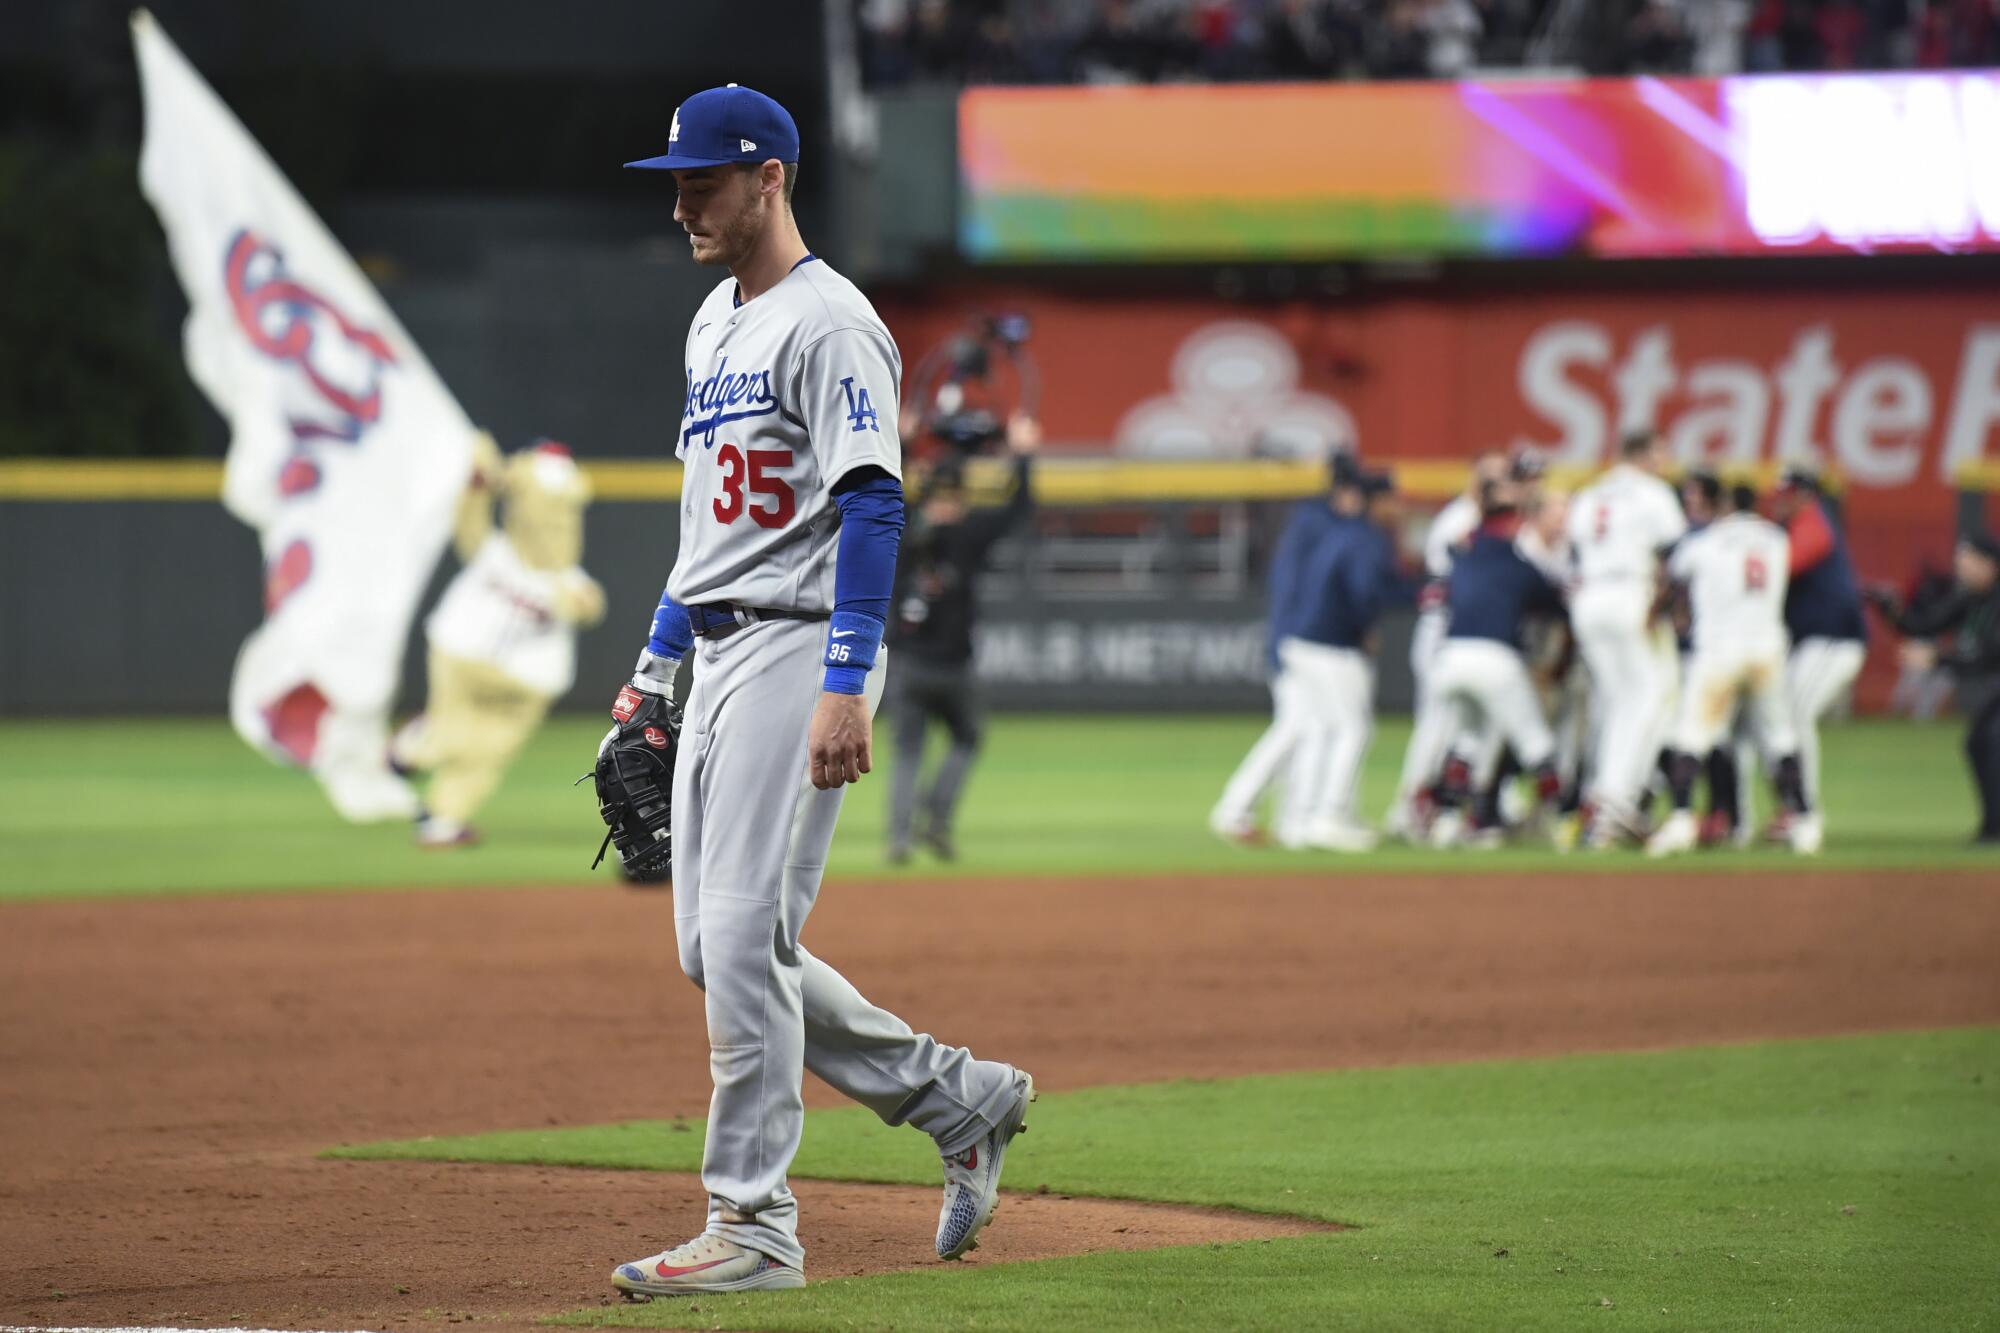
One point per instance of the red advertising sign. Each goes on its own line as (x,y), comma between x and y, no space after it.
(1893,390)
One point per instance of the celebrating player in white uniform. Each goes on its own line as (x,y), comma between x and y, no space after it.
(1735,572)
(791,511)
(1618,526)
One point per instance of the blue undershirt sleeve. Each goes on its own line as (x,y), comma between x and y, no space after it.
(871,529)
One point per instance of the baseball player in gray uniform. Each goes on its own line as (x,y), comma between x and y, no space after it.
(791,511)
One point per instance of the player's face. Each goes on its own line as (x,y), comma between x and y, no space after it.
(1696,504)
(722,211)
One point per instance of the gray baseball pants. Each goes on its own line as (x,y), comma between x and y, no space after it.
(750,843)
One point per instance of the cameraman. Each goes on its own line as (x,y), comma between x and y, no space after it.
(931,676)
(1971,615)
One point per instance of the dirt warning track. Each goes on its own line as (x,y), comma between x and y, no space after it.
(172,1067)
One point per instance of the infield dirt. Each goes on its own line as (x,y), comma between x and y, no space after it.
(172,1067)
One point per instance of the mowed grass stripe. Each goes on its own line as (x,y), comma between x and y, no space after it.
(1843,1183)
(198,811)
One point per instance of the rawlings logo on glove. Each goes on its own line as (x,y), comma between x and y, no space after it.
(635,783)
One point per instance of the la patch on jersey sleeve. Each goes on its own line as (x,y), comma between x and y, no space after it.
(849,393)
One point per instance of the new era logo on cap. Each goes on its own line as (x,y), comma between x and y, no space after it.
(724,125)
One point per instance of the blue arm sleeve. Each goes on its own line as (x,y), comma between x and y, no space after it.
(672,634)
(864,572)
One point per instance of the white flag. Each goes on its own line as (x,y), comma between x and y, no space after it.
(346,452)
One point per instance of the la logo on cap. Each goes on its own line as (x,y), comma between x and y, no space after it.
(674,134)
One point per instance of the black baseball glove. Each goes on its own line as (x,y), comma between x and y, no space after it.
(635,783)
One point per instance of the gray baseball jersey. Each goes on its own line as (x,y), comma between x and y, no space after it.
(785,396)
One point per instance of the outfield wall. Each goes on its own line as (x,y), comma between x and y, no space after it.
(139,605)
(128,588)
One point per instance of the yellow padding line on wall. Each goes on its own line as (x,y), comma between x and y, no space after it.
(1058,480)
(110,479)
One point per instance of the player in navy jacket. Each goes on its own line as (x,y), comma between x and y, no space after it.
(1823,613)
(1332,575)
(1480,679)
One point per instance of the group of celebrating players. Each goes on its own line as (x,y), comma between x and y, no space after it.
(1581,661)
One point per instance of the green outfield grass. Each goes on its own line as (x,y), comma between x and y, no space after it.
(124,806)
(1844,1183)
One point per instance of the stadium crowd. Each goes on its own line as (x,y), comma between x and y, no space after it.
(1147,41)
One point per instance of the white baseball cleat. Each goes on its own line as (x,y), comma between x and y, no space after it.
(1807,834)
(1448,829)
(1404,823)
(1333,835)
(1681,833)
(708,1263)
(1241,832)
(972,1177)
(1486,838)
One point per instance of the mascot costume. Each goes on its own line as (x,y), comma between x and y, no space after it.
(503,637)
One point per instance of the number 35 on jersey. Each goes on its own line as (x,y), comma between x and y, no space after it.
(754,473)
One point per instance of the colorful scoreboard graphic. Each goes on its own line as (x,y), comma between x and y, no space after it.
(1604,168)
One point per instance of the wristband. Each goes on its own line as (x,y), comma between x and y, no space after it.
(853,640)
(653,673)
(672,634)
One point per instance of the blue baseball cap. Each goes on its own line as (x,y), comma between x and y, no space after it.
(723,125)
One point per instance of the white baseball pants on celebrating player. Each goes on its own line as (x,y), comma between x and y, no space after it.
(1420,765)
(1633,684)
(1717,678)
(750,844)
(1482,687)
(1323,703)
(1817,675)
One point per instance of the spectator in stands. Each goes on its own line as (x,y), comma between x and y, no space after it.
(1715,33)
(1452,29)
(1148,41)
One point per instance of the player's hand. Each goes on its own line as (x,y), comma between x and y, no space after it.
(839,743)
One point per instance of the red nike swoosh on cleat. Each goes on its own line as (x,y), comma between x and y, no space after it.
(664,1271)
(969,1159)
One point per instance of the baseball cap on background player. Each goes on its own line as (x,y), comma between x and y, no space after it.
(721,126)
(1705,481)
(1347,471)
(1801,477)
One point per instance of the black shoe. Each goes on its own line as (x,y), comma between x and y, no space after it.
(940,844)
(1986,838)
